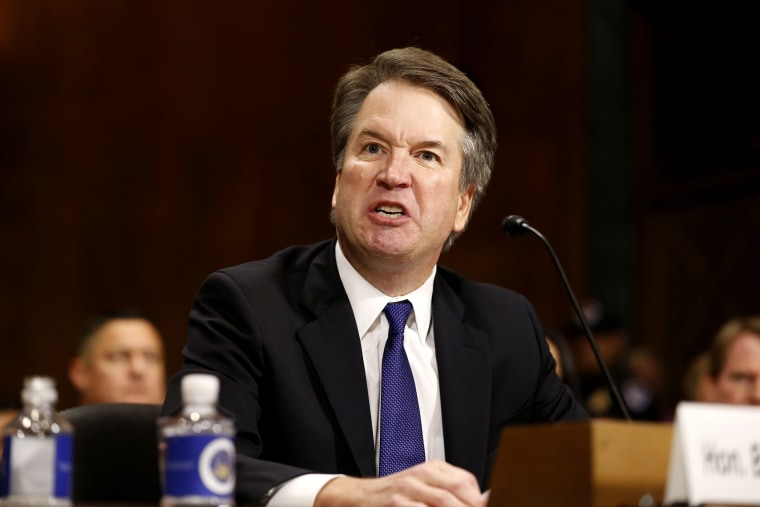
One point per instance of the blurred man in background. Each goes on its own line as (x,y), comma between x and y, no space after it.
(120,359)
(733,364)
(634,369)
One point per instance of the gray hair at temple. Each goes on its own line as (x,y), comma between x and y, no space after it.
(422,68)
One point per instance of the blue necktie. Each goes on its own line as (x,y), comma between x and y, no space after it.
(401,444)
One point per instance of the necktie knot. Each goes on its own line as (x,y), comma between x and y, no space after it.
(397,315)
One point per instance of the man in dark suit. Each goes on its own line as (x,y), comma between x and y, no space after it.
(299,340)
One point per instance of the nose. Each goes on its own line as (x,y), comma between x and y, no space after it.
(138,364)
(396,171)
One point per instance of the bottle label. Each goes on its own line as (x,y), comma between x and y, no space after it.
(202,465)
(5,467)
(37,466)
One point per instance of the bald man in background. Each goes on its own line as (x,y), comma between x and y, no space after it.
(120,359)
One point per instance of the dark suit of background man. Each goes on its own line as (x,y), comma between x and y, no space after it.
(297,339)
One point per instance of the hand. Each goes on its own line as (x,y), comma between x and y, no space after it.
(434,484)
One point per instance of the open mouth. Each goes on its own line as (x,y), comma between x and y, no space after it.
(390,211)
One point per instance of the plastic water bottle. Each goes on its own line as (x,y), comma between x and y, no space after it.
(198,448)
(37,450)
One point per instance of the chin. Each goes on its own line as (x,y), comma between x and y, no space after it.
(384,252)
(138,398)
(389,244)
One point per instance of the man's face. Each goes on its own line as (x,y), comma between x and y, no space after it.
(397,196)
(124,364)
(739,380)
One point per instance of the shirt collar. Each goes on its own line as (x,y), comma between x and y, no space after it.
(367,302)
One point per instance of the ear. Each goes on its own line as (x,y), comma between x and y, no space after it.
(706,389)
(463,208)
(335,191)
(78,374)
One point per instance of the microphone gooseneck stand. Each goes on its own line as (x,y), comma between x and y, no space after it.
(515,225)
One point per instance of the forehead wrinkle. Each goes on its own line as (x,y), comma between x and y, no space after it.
(366,132)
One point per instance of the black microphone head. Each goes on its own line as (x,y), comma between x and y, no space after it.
(514,225)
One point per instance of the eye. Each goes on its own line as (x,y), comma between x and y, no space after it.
(741,377)
(118,356)
(428,156)
(152,357)
(372,148)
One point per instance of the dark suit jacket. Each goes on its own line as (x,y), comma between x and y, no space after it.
(281,336)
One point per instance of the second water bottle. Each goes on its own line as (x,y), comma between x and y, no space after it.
(198,448)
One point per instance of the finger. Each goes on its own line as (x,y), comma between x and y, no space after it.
(440,483)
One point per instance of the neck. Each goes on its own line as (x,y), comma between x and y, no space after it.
(393,284)
(391,276)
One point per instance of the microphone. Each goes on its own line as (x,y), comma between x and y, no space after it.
(516,226)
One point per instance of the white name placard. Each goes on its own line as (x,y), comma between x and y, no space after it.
(715,455)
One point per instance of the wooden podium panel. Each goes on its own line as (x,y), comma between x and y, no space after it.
(597,463)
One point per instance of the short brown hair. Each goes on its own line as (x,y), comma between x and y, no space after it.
(97,322)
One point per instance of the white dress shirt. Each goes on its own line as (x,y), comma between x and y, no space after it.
(367,304)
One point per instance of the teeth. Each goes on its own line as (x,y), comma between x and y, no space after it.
(395,210)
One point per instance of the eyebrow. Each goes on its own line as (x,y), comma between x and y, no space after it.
(423,144)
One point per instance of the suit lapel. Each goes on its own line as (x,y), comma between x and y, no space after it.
(464,377)
(333,345)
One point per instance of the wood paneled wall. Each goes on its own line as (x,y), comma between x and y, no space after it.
(146,144)
(697,185)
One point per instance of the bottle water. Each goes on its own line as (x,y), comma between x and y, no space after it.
(197,448)
(37,450)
